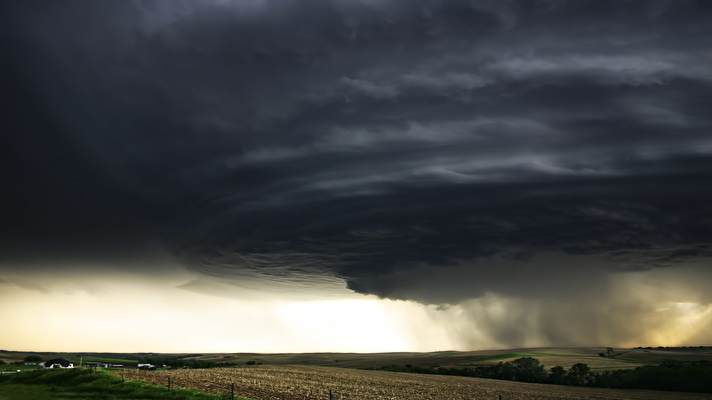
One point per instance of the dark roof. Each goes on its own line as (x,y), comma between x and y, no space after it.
(60,361)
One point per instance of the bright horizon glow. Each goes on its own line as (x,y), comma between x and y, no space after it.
(129,317)
(147,314)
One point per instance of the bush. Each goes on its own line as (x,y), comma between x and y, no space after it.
(557,375)
(579,374)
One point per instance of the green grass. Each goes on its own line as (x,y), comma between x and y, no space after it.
(83,384)
(15,367)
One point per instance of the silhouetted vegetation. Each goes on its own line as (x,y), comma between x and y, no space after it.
(33,359)
(695,376)
(182,362)
(676,348)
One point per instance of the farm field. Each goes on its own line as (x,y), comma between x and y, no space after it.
(312,382)
(549,357)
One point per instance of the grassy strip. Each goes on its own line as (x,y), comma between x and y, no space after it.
(84,384)
(15,367)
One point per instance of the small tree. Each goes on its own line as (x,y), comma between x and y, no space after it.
(557,375)
(579,374)
(528,369)
(505,371)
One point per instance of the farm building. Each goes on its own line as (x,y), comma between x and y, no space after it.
(58,363)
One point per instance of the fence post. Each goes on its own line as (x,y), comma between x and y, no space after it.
(169,383)
(232,391)
(331,395)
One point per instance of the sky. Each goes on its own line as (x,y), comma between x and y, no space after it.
(355,175)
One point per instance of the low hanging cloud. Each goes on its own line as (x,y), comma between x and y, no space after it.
(530,152)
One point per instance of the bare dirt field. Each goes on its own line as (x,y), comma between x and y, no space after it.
(310,382)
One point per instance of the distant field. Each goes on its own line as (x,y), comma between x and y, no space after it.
(315,383)
(565,357)
(114,360)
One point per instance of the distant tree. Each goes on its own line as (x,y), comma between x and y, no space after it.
(579,374)
(2,362)
(557,375)
(505,371)
(528,369)
(33,358)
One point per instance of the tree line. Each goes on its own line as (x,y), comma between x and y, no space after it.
(183,362)
(689,376)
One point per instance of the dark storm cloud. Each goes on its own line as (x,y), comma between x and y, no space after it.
(403,146)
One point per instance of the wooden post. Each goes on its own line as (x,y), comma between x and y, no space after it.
(232,391)
(331,395)
(169,383)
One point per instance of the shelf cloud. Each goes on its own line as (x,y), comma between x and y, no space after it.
(452,153)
